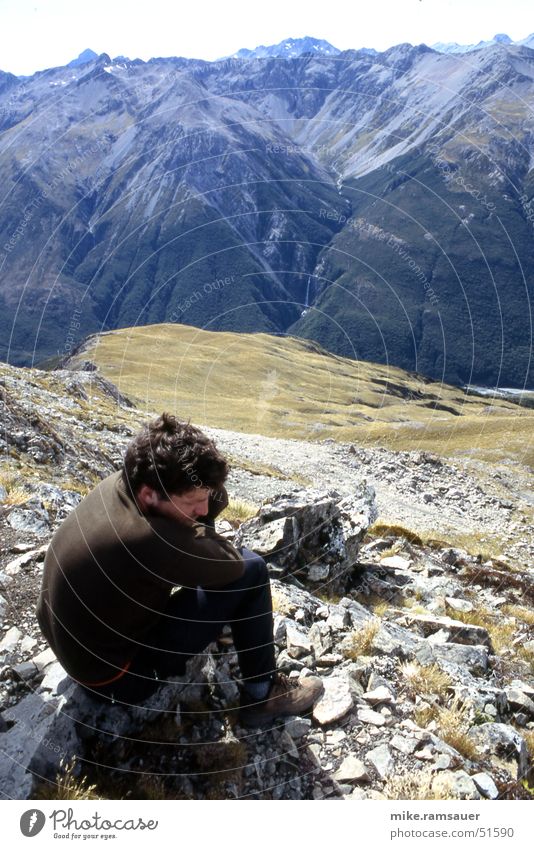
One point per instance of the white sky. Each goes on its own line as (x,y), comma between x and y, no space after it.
(38,34)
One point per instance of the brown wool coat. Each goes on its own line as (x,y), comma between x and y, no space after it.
(108,574)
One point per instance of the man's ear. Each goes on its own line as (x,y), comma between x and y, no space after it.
(148,497)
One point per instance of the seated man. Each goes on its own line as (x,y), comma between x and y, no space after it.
(106,606)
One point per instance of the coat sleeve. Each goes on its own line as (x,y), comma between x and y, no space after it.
(198,556)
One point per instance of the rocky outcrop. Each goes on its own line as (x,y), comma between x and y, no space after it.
(314,536)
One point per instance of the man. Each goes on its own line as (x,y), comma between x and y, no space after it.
(107,607)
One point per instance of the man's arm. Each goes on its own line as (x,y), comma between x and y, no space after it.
(195,556)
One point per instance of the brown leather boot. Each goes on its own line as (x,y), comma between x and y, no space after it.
(286,697)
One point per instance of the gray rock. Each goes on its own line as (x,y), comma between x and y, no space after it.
(297,727)
(321,638)
(472,658)
(459,631)
(318,572)
(35,521)
(459,604)
(406,745)
(10,640)
(371,717)
(14,566)
(298,642)
(27,644)
(381,759)
(44,659)
(291,530)
(456,784)
(351,769)
(339,618)
(335,702)
(26,670)
(503,745)
(486,785)
(380,695)
(518,699)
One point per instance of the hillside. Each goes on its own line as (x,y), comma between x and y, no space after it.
(424,644)
(287,387)
(378,203)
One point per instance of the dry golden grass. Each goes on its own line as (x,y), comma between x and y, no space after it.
(524,614)
(453,723)
(238,510)
(360,641)
(416,785)
(501,633)
(383,529)
(67,786)
(528,737)
(423,680)
(12,482)
(203,375)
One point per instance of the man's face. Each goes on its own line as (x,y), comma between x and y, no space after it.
(186,508)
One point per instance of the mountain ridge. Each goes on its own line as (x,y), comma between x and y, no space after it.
(133,185)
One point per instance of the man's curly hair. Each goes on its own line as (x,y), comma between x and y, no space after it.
(173,456)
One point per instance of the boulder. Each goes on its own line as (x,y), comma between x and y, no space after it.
(314,534)
(504,746)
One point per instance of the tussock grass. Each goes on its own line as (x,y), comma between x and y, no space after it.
(238,510)
(524,614)
(423,680)
(528,737)
(360,641)
(67,786)
(416,785)
(383,529)
(13,485)
(453,723)
(501,633)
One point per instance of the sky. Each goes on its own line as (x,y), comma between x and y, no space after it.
(38,34)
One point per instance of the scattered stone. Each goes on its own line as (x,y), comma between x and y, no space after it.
(459,604)
(486,785)
(381,759)
(352,769)
(10,640)
(455,784)
(380,695)
(406,745)
(371,717)
(335,702)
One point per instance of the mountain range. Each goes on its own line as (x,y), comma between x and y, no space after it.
(378,203)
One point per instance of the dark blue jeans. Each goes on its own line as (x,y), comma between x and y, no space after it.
(193,619)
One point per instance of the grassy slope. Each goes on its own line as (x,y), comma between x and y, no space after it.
(288,387)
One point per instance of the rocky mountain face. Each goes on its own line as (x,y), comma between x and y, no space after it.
(289,48)
(378,203)
(426,650)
